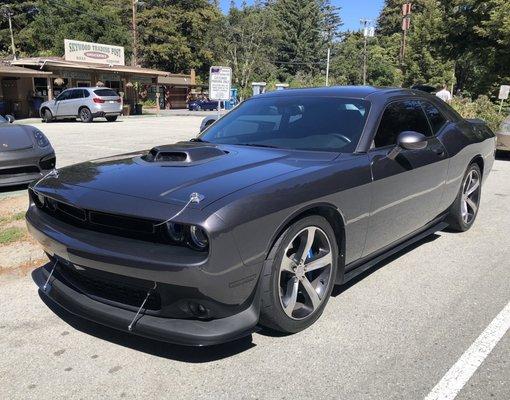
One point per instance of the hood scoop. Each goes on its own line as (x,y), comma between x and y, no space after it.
(183,153)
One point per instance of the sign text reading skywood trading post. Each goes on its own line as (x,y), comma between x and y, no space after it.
(93,52)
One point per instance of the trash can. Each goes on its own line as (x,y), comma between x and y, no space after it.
(37,101)
(137,109)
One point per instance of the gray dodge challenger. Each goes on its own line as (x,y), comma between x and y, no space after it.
(25,153)
(254,221)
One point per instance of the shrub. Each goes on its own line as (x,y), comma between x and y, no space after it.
(481,108)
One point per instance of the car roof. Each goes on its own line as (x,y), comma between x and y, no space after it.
(89,88)
(357,92)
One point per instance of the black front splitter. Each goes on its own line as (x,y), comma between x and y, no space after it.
(178,331)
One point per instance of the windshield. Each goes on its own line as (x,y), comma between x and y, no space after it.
(2,120)
(304,123)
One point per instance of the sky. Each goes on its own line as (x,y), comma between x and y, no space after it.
(352,11)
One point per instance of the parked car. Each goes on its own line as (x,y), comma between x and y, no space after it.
(503,135)
(25,153)
(83,103)
(199,105)
(254,221)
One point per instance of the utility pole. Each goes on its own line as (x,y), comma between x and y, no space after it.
(9,14)
(368,31)
(327,67)
(134,60)
(406,24)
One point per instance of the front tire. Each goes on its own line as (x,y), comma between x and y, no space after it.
(299,275)
(464,209)
(47,116)
(85,115)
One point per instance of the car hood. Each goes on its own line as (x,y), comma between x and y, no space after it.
(210,170)
(15,137)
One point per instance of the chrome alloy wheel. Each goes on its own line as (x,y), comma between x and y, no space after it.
(470,197)
(305,272)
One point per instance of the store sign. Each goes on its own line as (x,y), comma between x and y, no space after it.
(142,79)
(110,77)
(220,80)
(75,75)
(93,52)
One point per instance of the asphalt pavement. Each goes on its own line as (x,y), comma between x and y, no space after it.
(393,333)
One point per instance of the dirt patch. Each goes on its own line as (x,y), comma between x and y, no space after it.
(19,253)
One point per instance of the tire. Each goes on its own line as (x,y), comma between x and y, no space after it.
(463,211)
(112,118)
(47,116)
(286,305)
(85,115)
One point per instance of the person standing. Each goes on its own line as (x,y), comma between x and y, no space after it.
(444,94)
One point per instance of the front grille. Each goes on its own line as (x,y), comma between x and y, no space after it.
(31,169)
(117,291)
(119,225)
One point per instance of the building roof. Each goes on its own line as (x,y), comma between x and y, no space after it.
(60,62)
(11,70)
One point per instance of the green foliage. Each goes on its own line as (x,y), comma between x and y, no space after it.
(481,108)
(10,235)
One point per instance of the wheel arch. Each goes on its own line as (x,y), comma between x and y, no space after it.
(334,217)
(42,110)
(82,107)
(478,159)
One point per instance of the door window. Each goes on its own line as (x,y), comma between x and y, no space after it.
(64,95)
(399,117)
(436,119)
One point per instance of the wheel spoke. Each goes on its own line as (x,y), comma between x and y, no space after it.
(290,302)
(305,249)
(288,264)
(473,187)
(472,205)
(318,263)
(310,291)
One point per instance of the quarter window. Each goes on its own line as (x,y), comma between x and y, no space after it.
(399,117)
(436,119)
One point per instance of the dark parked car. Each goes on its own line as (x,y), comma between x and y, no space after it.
(254,222)
(25,153)
(198,105)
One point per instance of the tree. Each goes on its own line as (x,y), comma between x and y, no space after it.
(304,30)
(22,14)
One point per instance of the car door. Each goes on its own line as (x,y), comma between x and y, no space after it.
(73,103)
(407,190)
(61,103)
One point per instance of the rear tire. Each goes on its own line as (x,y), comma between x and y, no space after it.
(85,115)
(113,118)
(296,290)
(463,211)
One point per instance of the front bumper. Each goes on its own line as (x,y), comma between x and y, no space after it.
(25,166)
(179,331)
(181,282)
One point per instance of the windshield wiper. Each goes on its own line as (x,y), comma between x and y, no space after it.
(197,139)
(257,145)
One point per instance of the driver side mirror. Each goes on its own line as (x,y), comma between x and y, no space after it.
(408,140)
(9,118)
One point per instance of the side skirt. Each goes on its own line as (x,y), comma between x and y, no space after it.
(372,262)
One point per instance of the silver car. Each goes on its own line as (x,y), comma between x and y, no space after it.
(83,103)
(25,153)
(503,135)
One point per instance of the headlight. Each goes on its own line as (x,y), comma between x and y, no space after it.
(198,237)
(42,141)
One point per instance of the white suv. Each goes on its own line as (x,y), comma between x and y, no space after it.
(83,103)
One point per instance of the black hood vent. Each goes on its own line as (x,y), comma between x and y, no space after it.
(183,153)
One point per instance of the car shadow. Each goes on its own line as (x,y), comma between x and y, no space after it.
(149,346)
(503,155)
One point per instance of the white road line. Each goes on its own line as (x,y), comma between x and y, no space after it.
(460,373)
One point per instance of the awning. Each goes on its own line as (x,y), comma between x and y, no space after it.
(10,70)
